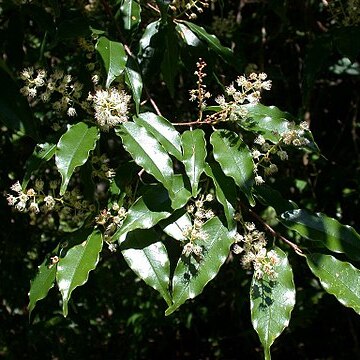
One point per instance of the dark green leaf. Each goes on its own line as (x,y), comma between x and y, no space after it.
(73,270)
(170,62)
(130,10)
(148,258)
(114,58)
(194,146)
(146,212)
(191,275)
(134,81)
(180,193)
(42,153)
(212,41)
(187,35)
(163,131)
(318,227)
(235,159)
(73,150)
(271,302)
(147,152)
(42,283)
(225,190)
(338,278)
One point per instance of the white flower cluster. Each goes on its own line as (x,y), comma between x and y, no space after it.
(195,232)
(189,6)
(111,219)
(70,208)
(37,83)
(111,107)
(252,246)
(248,92)
(295,134)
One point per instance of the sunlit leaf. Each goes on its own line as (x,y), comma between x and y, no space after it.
(73,269)
(73,150)
(130,10)
(114,58)
(194,145)
(147,152)
(338,278)
(191,274)
(42,283)
(235,159)
(148,258)
(163,131)
(225,191)
(319,227)
(271,302)
(146,212)
(134,81)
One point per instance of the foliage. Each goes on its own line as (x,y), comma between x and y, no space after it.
(121,167)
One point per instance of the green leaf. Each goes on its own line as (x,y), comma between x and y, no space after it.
(134,81)
(42,283)
(235,159)
(146,211)
(170,63)
(175,225)
(73,150)
(271,197)
(194,145)
(187,35)
(147,152)
(73,269)
(271,302)
(191,275)
(225,191)
(130,10)
(164,132)
(338,278)
(42,153)
(114,58)
(212,41)
(148,258)
(318,227)
(180,193)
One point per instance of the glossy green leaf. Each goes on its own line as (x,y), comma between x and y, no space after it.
(269,121)
(225,191)
(164,132)
(271,197)
(148,258)
(42,283)
(170,63)
(194,146)
(73,269)
(73,150)
(42,153)
(271,302)
(114,58)
(180,192)
(235,159)
(175,225)
(187,35)
(191,275)
(134,81)
(146,211)
(212,41)
(338,278)
(147,152)
(318,227)
(130,10)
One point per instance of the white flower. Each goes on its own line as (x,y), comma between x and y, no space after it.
(111,107)
(49,202)
(34,207)
(260,140)
(259,180)
(16,187)
(71,111)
